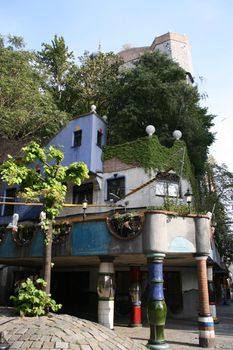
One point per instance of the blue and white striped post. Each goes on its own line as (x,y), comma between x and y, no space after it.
(156,309)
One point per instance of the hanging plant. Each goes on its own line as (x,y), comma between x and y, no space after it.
(125,226)
(61,232)
(23,235)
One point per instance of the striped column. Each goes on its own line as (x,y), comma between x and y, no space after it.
(156,309)
(212,294)
(205,320)
(135,294)
(105,289)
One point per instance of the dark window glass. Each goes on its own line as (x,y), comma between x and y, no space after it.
(117,187)
(8,208)
(99,138)
(77,138)
(82,192)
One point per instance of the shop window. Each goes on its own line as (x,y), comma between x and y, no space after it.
(10,194)
(115,188)
(85,191)
(99,138)
(77,138)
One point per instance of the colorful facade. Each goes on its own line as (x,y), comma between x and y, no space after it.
(126,256)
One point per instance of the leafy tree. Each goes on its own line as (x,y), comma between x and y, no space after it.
(217,198)
(47,185)
(93,81)
(58,61)
(27,110)
(155,92)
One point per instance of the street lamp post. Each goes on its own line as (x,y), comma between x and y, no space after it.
(85,202)
(189,197)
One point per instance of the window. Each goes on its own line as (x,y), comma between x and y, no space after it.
(99,138)
(77,138)
(82,192)
(116,186)
(10,194)
(167,186)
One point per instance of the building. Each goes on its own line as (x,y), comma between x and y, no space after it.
(125,232)
(176,46)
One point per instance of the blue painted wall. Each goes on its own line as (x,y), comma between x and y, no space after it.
(9,249)
(88,238)
(88,152)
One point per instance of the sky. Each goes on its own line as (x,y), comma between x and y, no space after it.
(112,23)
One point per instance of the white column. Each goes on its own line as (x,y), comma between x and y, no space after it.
(105,288)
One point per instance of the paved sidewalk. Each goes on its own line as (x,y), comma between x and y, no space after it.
(183,334)
(62,332)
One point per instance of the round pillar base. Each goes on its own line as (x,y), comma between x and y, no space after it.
(135,325)
(206,332)
(207,343)
(106,313)
(135,316)
(158,346)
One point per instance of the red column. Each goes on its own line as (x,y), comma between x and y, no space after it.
(135,294)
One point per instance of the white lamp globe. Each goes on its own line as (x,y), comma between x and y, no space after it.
(150,130)
(177,134)
(93,108)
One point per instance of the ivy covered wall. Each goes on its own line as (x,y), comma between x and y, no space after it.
(148,153)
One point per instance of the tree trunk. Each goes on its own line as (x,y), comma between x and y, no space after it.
(48,257)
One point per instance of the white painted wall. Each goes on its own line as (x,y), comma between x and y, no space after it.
(134,178)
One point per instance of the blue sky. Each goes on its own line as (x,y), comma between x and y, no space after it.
(207,23)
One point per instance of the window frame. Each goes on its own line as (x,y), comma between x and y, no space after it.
(99,138)
(168,181)
(6,207)
(77,138)
(86,190)
(122,187)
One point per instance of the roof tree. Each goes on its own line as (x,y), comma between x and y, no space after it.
(47,185)
(27,108)
(217,198)
(92,81)
(155,92)
(58,62)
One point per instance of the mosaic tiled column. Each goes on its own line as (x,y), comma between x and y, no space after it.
(212,294)
(135,295)
(156,309)
(205,320)
(105,289)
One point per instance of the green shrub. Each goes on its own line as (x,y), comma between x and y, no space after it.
(31,300)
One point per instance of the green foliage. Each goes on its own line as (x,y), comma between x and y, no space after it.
(156,92)
(27,109)
(148,153)
(93,81)
(32,301)
(171,205)
(57,62)
(48,184)
(217,188)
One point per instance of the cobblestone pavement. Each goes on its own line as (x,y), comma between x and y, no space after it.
(60,332)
